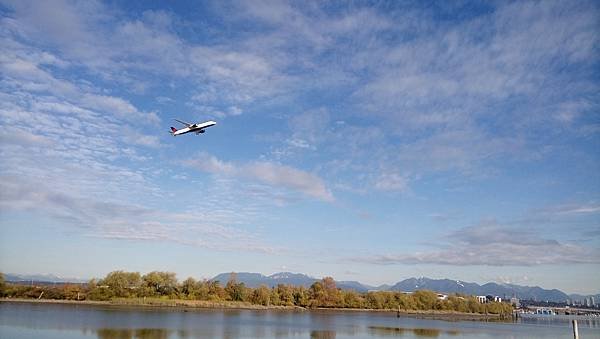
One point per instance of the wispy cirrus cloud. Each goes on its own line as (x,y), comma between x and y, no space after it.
(491,244)
(114,219)
(377,100)
(74,153)
(269,173)
(580,209)
(227,75)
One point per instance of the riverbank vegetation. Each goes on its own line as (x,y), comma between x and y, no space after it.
(156,288)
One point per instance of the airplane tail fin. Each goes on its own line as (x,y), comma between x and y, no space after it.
(173,129)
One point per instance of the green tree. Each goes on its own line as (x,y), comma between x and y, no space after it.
(2,285)
(202,291)
(406,301)
(190,288)
(375,300)
(73,292)
(426,300)
(122,284)
(351,299)
(161,283)
(99,292)
(235,291)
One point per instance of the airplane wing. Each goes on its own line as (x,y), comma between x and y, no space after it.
(182,122)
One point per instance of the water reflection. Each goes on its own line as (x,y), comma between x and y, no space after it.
(140,333)
(322,334)
(157,333)
(24,321)
(418,332)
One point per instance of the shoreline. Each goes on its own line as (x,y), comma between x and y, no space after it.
(187,305)
(156,303)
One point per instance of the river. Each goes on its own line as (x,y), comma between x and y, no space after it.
(31,320)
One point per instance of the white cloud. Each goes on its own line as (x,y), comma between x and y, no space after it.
(417,97)
(266,172)
(124,221)
(126,50)
(490,244)
(573,209)
(29,76)
(119,107)
(391,182)
(209,163)
(289,177)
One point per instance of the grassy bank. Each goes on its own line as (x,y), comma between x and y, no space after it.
(162,289)
(183,305)
(157,302)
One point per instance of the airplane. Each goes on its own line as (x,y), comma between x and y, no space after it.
(196,128)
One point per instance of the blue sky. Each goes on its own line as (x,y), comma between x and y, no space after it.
(367,141)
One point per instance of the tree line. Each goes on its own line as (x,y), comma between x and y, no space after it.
(322,294)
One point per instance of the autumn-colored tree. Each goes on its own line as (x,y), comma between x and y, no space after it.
(405,301)
(286,296)
(316,294)
(375,300)
(274,297)
(2,285)
(261,296)
(235,291)
(73,292)
(332,295)
(323,293)
(426,300)
(216,291)
(351,299)
(301,297)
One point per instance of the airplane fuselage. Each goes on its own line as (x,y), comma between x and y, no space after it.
(196,128)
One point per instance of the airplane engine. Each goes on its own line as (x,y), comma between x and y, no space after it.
(200,131)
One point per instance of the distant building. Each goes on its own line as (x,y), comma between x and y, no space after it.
(593,302)
(515,302)
(545,311)
(491,298)
(482,299)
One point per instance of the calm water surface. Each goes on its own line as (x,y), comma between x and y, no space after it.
(24,320)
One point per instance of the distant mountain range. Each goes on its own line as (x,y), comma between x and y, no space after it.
(41,278)
(297,279)
(502,290)
(410,285)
